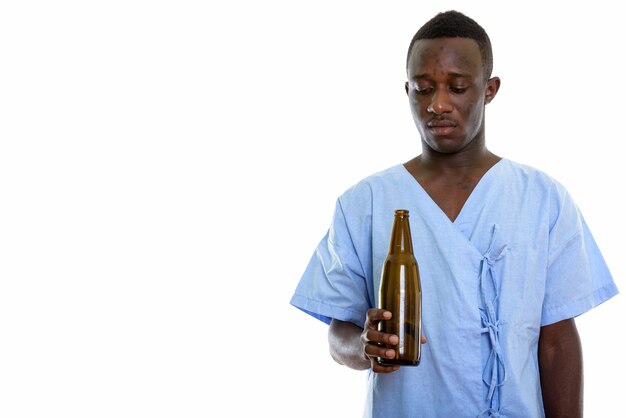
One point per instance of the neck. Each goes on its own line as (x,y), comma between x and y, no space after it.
(436,161)
(474,160)
(473,156)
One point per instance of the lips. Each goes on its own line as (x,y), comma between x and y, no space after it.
(441,127)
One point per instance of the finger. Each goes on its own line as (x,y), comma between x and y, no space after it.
(375,315)
(423,340)
(377,368)
(372,335)
(373,351)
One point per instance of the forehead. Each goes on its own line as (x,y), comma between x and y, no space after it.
(445,55)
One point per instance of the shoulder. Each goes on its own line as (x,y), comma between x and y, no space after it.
(358,203)
(542,188)
(528,172)
(532,177)
(366,188)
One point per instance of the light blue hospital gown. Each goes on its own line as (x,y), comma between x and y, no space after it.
(517,257)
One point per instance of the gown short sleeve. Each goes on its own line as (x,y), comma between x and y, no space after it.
(334,283)
(578,277)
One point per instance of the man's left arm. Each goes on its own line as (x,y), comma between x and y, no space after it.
(561,370)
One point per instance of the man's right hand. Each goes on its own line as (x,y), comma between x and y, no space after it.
(358,348)
(372,340)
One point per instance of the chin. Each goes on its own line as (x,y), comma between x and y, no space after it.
(445,145)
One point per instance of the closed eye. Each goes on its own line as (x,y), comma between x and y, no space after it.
(423,92)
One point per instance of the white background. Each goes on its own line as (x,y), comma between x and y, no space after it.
(167,168)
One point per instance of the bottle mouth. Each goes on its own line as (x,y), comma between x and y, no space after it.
(402,212)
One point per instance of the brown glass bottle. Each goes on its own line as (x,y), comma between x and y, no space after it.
(401,293)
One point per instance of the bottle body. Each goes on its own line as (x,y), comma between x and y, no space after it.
(400,292)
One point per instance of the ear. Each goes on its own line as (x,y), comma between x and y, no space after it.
(406,87)
(491,89)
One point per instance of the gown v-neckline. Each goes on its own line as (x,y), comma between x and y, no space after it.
(471,203)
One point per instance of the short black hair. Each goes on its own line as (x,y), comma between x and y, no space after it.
(453,24)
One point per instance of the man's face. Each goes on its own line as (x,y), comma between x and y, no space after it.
(447,92)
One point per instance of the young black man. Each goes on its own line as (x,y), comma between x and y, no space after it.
(505,257)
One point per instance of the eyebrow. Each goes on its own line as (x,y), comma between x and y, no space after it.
(450,74)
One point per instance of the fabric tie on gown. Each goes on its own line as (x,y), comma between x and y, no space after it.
(494,373)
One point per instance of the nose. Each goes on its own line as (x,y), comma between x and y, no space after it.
(440,103)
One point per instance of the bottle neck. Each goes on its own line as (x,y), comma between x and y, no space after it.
(401,235)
